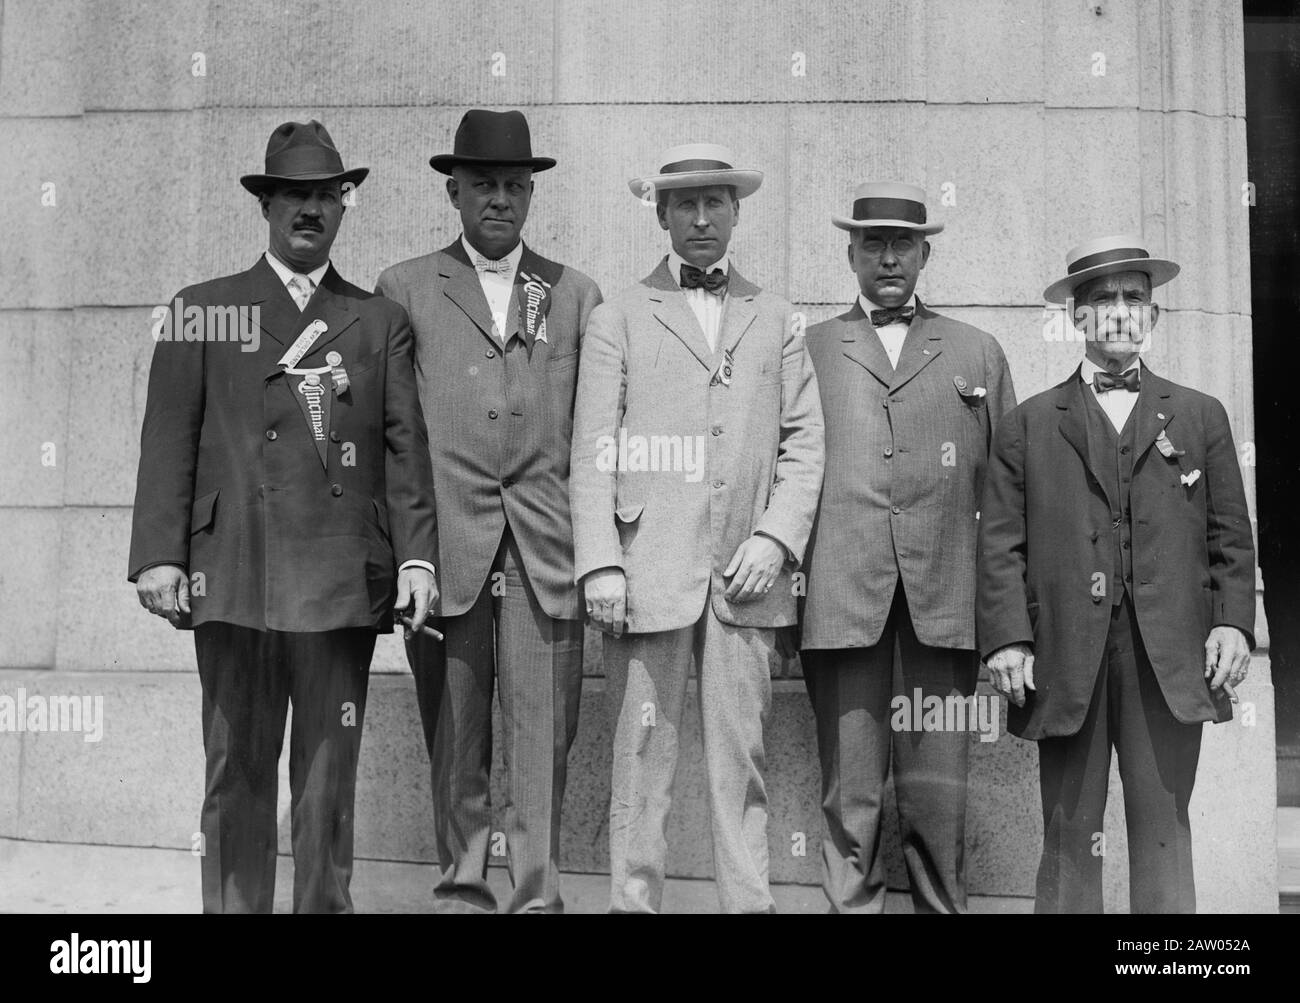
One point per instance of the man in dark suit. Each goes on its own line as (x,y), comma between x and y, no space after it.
(911,399)
(497,333)
(1116,586)
(284,470)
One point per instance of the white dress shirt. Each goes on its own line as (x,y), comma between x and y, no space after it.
(314,276)
(1119,403)
(286,274)
(706,306)
(496,286)
(892,335)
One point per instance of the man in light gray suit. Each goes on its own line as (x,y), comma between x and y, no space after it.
(697,459)
(911,399)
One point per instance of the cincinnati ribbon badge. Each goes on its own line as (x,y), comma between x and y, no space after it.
(302,344)
(314,398)
(723,373)
(534,303)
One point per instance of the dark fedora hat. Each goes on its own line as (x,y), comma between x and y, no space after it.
(301,151)
(492,137)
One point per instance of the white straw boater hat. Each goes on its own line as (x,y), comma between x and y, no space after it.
(888,203)
(1124,252)
(697,165)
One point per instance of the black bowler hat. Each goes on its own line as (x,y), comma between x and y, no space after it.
(301,151)
(492,137)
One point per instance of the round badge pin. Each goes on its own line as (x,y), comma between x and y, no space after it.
(333,358)
(312,380)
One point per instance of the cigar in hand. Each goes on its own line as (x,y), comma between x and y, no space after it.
(405,618)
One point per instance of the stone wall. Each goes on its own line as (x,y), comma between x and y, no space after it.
(124,128)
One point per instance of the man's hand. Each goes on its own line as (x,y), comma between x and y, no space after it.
(755,565)
(1011,671)
(1227,659)
(606,592)
(415,587)
(164,590)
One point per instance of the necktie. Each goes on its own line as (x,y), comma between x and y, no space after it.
(694,278)
(1103,381)
(501,265)
(892,315)
(300,288)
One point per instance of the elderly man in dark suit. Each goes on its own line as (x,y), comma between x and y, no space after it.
(697,457)
(1116,586)
(911,399)
(284,470)
(497,333)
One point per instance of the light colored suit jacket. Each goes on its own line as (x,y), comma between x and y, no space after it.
(906,451)
(499,421)
(676,463)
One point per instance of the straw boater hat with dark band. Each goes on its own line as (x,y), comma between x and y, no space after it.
(492,138)
(301,151)
(888,203)
(1106,256)
(697,165)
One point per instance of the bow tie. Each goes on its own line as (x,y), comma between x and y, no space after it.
(501,265)
(1103,381)
(694,278)
(892,315)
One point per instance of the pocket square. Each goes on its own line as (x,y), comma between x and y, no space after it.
(1190,479)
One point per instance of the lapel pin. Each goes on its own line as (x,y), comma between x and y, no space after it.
(333,358)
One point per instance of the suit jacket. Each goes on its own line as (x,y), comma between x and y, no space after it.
(231,483)
(729,460)
(500,422)
(905,457)
(1046,540)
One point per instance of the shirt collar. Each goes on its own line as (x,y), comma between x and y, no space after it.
(1088,368)
(512,256)
(675,262)
(869,305)
(286,273)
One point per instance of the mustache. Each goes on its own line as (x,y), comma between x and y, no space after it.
(308,224)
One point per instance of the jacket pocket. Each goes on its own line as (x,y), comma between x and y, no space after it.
(203,511)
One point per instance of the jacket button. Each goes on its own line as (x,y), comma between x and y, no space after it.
(1096,599)
(493,413)
(885,404)
(334,437)
(1093,536)
(896,510)
(489,354)
(507,482)
(717,484)
(717,430)
(336,489)
(889,451)
(271,434)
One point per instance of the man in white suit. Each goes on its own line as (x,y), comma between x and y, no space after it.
(697,462)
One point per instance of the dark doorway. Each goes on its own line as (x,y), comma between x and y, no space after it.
(1272,36)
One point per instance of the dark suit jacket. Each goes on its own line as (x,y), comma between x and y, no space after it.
(231,484)
(905,457)
(499,427)
(1046,536)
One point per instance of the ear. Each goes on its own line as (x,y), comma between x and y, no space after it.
(1155,313)
(925,252)
(265,201)
(661,210)
(852,263)
(453,192)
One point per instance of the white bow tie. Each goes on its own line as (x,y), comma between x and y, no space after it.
(501,265)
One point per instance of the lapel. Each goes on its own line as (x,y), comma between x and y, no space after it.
(280,318)
(738,311)
(461,286)
(1152,411)
(668,304)
(922,346)
(1074,427)
(862,345)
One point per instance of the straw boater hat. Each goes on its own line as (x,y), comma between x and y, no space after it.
(301,151)
(888,203)
(697,165)
(1105,256)
(492,138)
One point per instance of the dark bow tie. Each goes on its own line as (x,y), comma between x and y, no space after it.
(1103,381)
(892,315)
(694,278)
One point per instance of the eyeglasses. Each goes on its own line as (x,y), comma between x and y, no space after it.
(902,246)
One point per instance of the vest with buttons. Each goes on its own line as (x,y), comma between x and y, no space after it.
(1113,454)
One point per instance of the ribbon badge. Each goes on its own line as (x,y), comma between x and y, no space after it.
(302,344)
(723,373)
(534,303)
(1167,449)
(314,399)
